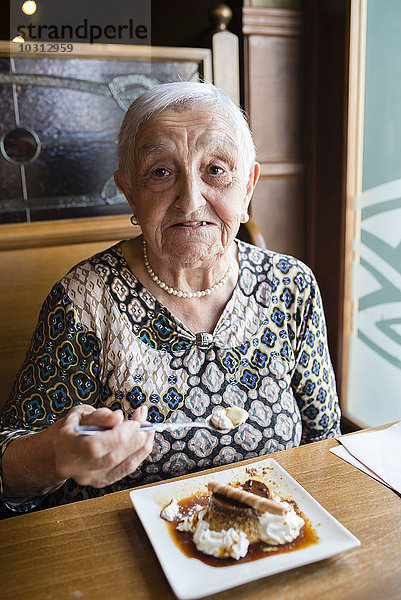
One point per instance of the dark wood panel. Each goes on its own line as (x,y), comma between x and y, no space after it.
(326,115)
(278,209)
(274,59)
(273,21)
(274,97)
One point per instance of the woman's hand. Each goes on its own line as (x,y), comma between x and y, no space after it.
(106,457)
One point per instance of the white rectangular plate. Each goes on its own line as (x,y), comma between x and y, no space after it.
(190,578)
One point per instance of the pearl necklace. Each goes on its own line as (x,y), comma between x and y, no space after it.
(180,293)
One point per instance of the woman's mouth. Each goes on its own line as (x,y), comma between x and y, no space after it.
(192,224)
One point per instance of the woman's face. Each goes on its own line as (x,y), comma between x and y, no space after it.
(189,187)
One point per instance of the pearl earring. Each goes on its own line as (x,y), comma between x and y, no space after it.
(133,220)
(244,218)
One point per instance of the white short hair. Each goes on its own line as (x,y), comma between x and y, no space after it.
(182,94)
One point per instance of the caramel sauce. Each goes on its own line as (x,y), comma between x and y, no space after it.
(183,539)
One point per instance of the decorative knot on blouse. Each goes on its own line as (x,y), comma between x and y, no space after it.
(203,339)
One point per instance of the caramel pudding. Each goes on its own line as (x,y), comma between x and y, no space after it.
(237,524)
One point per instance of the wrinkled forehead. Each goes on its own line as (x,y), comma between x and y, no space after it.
(192,127)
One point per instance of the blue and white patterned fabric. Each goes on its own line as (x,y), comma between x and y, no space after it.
(103,339)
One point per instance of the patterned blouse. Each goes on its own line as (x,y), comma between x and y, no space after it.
(105,340)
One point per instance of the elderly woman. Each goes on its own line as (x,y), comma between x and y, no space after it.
(171,324)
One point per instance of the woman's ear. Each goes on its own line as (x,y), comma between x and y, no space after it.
(252,181)
(124,185)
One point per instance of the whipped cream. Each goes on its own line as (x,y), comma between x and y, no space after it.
(221,544)
(220,419)
(171,512)
(279,529)
(228,418)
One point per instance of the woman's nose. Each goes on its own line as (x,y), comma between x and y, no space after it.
(189,193)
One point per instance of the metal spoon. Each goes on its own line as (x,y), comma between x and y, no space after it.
(167,426)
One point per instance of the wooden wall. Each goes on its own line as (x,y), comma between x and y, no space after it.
(273,48)
(326,115)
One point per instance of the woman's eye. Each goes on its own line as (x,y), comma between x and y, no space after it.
(215,170)
(161,172)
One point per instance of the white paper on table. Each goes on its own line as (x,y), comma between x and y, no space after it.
(379,451)
(343,453)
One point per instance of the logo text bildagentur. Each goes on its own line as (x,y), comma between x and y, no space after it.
(83,32)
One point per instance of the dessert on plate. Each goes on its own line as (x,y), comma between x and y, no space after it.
(234,518)
(228,418)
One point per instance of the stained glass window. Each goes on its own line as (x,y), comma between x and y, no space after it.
(60,120)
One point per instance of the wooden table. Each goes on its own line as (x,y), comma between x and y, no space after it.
(97,549)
